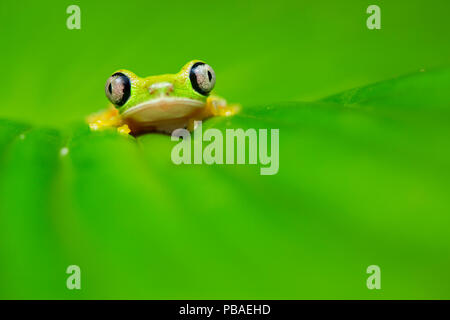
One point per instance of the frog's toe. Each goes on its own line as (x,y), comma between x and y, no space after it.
(228,110)
(124,129)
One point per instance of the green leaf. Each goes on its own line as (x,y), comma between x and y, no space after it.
(363,179)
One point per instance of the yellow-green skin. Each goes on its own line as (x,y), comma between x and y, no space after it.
(161,103)
(182,87)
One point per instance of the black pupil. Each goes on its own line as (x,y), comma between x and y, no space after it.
(124,81)
(193,78)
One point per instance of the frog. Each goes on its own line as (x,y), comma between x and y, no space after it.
(161,103)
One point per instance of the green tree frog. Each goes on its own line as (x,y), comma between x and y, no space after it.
(161,103)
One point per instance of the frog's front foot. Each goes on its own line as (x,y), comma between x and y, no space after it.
(218,107)
(106,119)
(124,129)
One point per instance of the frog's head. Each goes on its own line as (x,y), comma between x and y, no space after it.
(161,97)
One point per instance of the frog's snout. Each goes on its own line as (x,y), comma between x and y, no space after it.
(161,88)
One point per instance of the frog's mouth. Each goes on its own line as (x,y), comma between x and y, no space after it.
(164,108)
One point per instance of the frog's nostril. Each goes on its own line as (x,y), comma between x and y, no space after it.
(161,87)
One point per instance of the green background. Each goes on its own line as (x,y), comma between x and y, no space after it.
(364,175)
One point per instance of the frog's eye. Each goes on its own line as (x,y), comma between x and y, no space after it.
(118,89)
(202,78)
